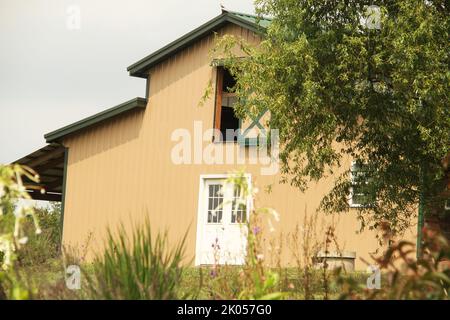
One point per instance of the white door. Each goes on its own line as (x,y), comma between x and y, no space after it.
(222,223)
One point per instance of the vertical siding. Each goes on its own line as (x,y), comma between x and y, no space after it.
(121,171)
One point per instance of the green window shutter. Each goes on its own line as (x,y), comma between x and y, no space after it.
(246,136)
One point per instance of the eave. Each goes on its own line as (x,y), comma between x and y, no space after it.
(134,104)
(140,68)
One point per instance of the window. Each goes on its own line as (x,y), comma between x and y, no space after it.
(447,192)
(446,197)
(215,203)
(225,202)
(447,204)
(225,118)
(238,208)
(361,194)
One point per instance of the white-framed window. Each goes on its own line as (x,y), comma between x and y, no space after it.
(447,193)
(447,205)
(360,194)
(225,201)
(238,206)
(215,202)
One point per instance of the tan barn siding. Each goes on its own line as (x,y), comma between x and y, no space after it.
(122,170)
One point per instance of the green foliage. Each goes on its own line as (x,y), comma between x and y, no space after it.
(336,89)
(13,235)
(45,246)
(258,281)
(206,95)
(427,278)
(14,288)
(142,266)
(253,280)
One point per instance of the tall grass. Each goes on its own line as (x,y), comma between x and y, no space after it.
(42,248)
(138,267)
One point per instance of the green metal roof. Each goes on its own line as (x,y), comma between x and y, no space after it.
(263,22)
(133,104)
(248,21)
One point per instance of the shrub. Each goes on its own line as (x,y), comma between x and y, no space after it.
(427,277)
(138,267)
(253,280)
(41,248)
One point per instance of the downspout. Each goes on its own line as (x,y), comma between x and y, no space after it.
(147,87)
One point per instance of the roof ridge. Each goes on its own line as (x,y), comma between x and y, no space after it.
(249,22)
(250,15)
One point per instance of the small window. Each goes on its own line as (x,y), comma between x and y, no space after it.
(215,203)
(238,207)
(447,193)
(225,118)
(225,203)
(360,194)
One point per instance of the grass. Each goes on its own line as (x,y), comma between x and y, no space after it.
(290,282)
(142,265)
(195,282)
(139,266)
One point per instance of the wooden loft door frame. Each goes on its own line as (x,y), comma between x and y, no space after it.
(218,104)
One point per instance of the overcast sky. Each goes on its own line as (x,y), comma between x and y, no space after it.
(54,73)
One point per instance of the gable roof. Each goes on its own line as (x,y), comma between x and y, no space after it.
(140,68)
(248,21)
(133,104)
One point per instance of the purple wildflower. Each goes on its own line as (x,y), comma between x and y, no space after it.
(256,230)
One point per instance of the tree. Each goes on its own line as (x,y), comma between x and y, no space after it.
(336,88)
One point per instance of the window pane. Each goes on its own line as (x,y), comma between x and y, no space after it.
(244,216)
(216,190)
(362,194)
(238,208)
(215,200)
(229,124)
(228,81)
(210,204)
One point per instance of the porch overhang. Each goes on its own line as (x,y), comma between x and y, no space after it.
(49,163)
